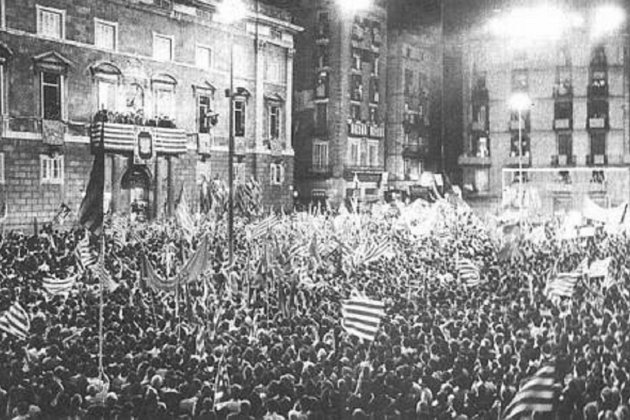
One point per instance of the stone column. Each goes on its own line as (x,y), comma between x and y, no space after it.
(260,94)
(170,194)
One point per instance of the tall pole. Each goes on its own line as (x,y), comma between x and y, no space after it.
(442,100)
(520,167)
(231,158)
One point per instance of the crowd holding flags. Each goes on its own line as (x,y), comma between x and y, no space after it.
(468,272)
(57,286)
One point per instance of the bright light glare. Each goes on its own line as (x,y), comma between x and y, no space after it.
(231,11)
(534,24)
(353,6)
(606,20)
(520,102)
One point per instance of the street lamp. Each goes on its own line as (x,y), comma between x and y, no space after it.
(520,102)
(230,12)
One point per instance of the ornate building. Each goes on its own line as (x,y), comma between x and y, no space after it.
(156,72)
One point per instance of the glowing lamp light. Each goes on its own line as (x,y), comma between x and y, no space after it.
(520,102)
(231,11)
(353,6)
(607,19)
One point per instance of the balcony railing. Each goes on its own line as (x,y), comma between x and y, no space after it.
(123,137)
(563,160)
(376,131)
(514,159)
(598,91)
(358,129)
(474,160)
(320,169)
(514,125)
(597,160)
(597,122)
(415,149)
(562,124)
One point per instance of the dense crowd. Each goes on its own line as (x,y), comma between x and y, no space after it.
(443,351)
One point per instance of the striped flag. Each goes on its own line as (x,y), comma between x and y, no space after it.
(563,285)
(55,286)
(582,268)
(468,272)
(119,231)
(376,251)
(101,273)
(15,321)
(362,316)
(599,268)
(62,214)
(263,227)
(200,341)
(536,395)
(83,253)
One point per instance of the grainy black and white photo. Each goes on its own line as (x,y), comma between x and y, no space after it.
(314,209)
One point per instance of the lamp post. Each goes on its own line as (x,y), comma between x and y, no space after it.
(230,12)
(520,102)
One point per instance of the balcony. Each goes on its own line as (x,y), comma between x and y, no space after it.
(240,146)
(597,123)
(479,126)
(562,124)
(563,160)
(562,91)
(514,125)
(123,137)
(516,160)
(598,91)
(376,131)
(320,170)
(358,129)
(474,160)
(596,160)
(205,142)
(415,150)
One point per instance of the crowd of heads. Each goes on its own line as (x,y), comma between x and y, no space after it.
(443,351)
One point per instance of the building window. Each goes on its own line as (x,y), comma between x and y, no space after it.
(274,121)
(480,146)
(134,98)
(356,59)
(356,93)
(598,144)
(51,169)
(162,47)
(164,100)
(321,119)
(374,116)
(323,24)
(203,57)
(375,94)
(51,95)
(107,92)
(51,22)
(105,34)
(408,82)
(565,145)
(322,56)
(239,117)
(204,113)
(597,109)
(482,180)
(3,106)
(276,173)
(320,155)
(515,151)
(354,148)
(376,67)
(373,153)
(2,169)
(355,112)
(563,110)
(321,86)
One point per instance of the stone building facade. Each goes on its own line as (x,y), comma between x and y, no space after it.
(575,133)
(158,72)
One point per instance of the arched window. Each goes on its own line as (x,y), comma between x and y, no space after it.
(107,77)
(163,90)
(51,68)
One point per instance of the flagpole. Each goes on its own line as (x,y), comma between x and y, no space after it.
(101,372)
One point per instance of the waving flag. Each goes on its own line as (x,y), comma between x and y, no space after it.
(263,227)
(536,395)
(83,254)
(5,212)
(91,211)
(468,272)
(221,380)
(563,285)
(16,321)
(101,273)
(55,286)
(200,340)
(184,218)
(362,316)
(599,268)
(62,214)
